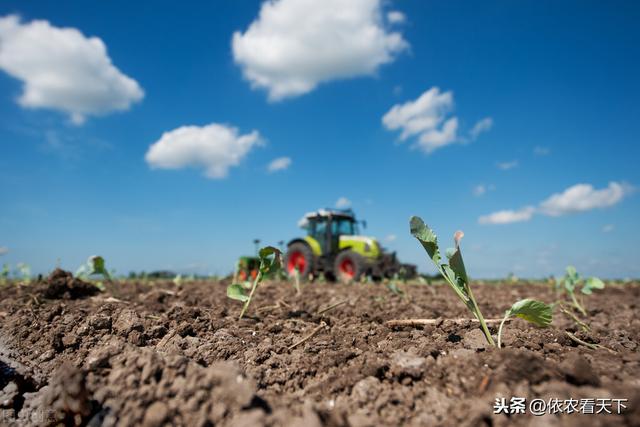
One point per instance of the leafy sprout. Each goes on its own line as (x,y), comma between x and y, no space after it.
(95,266)
(25,272)
(270,262)
(532,311)
(572,281)
(4,274)
(454,272)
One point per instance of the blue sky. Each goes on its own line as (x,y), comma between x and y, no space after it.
(548,180)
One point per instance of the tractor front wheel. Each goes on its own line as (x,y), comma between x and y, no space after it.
(349,266)
(300,257)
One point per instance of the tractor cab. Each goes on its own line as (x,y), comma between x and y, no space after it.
(326,227)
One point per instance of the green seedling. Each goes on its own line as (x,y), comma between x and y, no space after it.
(532,311)
(572,281)
(178,280)
(4,274)
(270,262)
(95,266)
(25,272)
(454,273)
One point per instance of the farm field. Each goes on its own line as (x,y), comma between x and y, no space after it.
(152,353)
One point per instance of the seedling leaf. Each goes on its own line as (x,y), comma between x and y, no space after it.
(237,292)
(426,237)
(532,311)
(270,259)
(590,284)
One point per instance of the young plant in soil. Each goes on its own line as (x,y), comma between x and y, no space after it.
(25,273)
(572,280)
(532,311)
(270,262)
(454,273)
(95,266)
(4,274)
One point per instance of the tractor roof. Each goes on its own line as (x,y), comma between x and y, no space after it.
(344,213)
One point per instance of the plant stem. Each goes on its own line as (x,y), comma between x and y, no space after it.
(504,319)
(579,322)
(297,281)
(331,307)
(577,304)
(308,337)
(253,289)
(478,314)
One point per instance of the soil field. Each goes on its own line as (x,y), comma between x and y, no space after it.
(138,354)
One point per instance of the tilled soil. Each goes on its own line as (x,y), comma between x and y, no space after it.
(142,354)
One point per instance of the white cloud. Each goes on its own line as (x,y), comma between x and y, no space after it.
(279,164)
(294,45)
(61,69)
(391,238)
(4,250)
(583,197)
(343,203)
(481,126)
(508,216)
(578,198)
(214,147)
(396,17)
(541,151)
(482,189)
(608,228)
(429,119)
(425,117)
(505,166)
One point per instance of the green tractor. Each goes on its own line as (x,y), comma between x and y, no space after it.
(334,247)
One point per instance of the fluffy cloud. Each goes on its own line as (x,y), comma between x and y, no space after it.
(481,126)
(396,17)
(505,166)
(343,203)
(214,147)
(61,69)
(4,250)
(508,216)
(279,164)
(428,119)
(583,197)
(294,45)
(578,198)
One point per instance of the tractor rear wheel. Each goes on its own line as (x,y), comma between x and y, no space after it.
(349,266)
(300,257)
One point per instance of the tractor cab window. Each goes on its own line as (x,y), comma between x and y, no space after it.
(318,231)
(344,226)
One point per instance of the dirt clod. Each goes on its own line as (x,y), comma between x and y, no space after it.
(62,284)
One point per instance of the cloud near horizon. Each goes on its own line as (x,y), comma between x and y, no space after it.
(61,69)
(216,148)
(577,198)
(295,45)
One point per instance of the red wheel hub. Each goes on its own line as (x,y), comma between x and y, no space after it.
(296,261)
(347,268)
